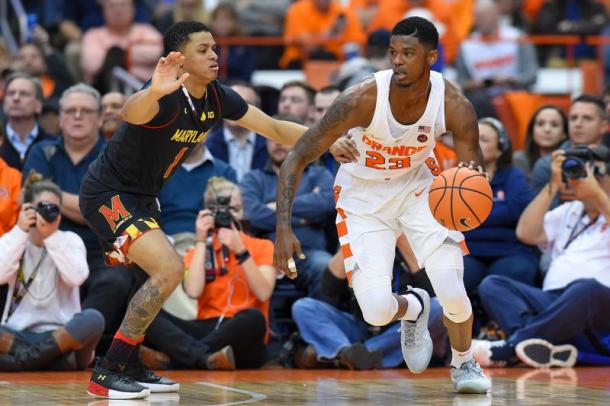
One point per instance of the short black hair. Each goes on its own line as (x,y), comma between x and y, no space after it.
(419,28)
(588,98)
(179,33)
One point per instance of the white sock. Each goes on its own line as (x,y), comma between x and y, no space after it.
(413,308)
(459,357)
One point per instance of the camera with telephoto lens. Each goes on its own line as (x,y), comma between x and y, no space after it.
(222,212)
(47,210)
(574,166)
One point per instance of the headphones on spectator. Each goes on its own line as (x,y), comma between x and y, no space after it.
(503,139)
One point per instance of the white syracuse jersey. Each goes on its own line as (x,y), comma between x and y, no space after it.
(385,193)
(389,149)
(396,161)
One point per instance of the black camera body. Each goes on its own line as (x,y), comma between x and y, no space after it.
(574,166)
(47,210)
(222,212)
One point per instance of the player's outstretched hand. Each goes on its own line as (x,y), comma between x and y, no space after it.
(286,245)
(475,167)
(344,150)
(165,77)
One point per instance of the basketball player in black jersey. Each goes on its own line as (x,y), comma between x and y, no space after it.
(166,119)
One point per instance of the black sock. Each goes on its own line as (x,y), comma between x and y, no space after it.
(123,349)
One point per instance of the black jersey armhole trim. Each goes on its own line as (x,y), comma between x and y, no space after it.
(217,101)
(156,127)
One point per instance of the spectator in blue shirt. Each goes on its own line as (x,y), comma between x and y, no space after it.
(181,198)
(242,149)
(494,248)
(313,208)
(65,161)
(236,61)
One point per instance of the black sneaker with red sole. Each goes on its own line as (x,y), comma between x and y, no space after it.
(110,381)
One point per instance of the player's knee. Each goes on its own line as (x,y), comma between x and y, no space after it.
(457,308)
(171,270)
(379,312)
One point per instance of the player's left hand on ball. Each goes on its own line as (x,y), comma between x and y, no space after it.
(344,150)
(286,245)
(475,167)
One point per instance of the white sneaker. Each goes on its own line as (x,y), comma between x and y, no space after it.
(415,340)
(470,378)
(539,353)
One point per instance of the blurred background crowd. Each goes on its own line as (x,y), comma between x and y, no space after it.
(538,68)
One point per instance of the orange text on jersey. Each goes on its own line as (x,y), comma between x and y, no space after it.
(397,150)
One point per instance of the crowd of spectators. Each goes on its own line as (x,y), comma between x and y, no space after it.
(59,111)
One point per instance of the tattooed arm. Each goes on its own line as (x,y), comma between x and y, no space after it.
(461,120)
(353,108)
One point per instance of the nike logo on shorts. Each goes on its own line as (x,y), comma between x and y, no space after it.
(420,192)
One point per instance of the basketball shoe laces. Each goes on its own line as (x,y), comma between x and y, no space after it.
(412,334)
(470,370)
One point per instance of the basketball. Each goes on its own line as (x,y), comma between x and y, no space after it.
(460,199)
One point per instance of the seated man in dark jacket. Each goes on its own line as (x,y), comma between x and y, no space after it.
(313,208)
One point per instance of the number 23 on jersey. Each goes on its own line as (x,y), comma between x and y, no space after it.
(376,160)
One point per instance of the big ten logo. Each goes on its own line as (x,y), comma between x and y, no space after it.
(207,115)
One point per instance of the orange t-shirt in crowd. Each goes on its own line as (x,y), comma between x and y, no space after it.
(363,3)
(304,22)
(392,11)
(531,7)
(48,86)
(230,293)
(10,191)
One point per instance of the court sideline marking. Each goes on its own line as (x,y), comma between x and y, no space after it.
(254,396)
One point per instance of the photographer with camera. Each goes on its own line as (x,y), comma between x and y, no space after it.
(232,277)
(546,326)
(587,123)
(42,326)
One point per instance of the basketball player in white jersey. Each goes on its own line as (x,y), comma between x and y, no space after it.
(394,117)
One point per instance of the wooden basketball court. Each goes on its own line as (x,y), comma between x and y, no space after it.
(581,386)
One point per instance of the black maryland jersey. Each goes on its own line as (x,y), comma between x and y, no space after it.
(140,158)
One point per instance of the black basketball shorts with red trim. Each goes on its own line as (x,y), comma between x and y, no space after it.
(117,218)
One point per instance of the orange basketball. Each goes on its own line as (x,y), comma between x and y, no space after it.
(460,199)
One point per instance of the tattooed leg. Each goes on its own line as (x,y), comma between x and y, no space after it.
(143,308)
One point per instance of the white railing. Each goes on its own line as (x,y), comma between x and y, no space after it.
(124,82)
(5,27)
